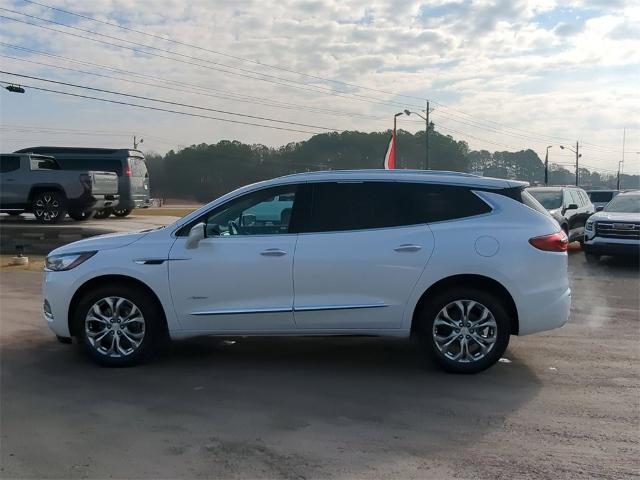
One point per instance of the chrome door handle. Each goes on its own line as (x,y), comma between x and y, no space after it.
(273,252)
(408,248)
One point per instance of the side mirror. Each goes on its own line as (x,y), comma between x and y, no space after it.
(599,208)
(198,232)
(572,206)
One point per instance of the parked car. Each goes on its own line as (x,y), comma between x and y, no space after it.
(570,206)
(36,184)
(460,261)
(616,229)
(600,198)
(129,165)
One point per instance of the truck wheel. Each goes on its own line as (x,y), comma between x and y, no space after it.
(82,216)
(48,207)
(121,212)
(103,213)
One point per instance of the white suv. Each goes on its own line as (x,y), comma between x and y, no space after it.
(460,261)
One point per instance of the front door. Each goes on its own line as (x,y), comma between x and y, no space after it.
(239,278)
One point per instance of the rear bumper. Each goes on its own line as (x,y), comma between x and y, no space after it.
(137,201)
(546,315)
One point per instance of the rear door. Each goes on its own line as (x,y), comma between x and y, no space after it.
(358,257)
(11,194)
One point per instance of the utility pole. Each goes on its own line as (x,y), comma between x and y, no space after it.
(136,142)
(427,165)
(577,157)
(621,162)
(546,167)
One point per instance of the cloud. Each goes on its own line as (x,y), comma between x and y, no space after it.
(532,64)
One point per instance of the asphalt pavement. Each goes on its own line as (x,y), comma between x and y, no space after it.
(563,404)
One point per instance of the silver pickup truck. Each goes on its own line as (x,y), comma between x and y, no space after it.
(36,184)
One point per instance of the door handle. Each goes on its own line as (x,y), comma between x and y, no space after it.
(407,247)
(273,252)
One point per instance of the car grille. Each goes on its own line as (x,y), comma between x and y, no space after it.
(626,230)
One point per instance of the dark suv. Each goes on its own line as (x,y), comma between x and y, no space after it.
(570,206)
(129,165)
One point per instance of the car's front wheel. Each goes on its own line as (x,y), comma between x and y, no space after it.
(464,330)
(121,212)
(103,213)
(118,326)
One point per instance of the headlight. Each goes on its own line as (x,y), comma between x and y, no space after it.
(66,261)
(589,225)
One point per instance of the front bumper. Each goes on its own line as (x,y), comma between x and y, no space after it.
(608,248)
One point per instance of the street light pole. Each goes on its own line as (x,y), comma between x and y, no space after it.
(578,155)
(546,167)
(427,165)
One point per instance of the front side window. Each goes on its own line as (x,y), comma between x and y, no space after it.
(43,163)
(265,212)
(9,163)
(575,198)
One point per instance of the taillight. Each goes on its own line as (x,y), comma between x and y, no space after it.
(555,242)
(127,171)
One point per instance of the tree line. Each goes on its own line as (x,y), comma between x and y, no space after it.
(205,171)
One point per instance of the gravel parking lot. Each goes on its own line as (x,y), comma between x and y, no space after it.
(565,405)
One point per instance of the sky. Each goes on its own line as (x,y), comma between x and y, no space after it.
(499,74)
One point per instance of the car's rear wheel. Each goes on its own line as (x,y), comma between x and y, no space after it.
(121,212)
(464,330)
(49,207)
(103,213)
(81,216)
(118,326)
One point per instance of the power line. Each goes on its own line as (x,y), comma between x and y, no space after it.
(235,57)
(177,42)
(179,104)
(147,107)
(306,87)
(171,85)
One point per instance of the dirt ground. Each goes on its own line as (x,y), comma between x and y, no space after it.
(566,404)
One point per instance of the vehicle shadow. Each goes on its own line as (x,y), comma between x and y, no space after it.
(308,402)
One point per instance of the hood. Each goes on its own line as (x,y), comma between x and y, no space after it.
(616,217)
(101,242)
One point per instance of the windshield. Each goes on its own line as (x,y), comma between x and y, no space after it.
(549,199)
(624,204)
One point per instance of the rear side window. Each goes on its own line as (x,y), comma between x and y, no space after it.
(358,206)
(9,163)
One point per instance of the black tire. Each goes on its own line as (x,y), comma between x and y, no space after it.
(49,207)
(121,212)
(500,333)
(15,214)
(103,213)
(82,216)
(152,316)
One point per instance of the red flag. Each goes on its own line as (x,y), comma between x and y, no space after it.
(390,157)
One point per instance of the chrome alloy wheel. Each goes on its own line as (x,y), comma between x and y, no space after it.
(465,331)
(47,207)
(115,327)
